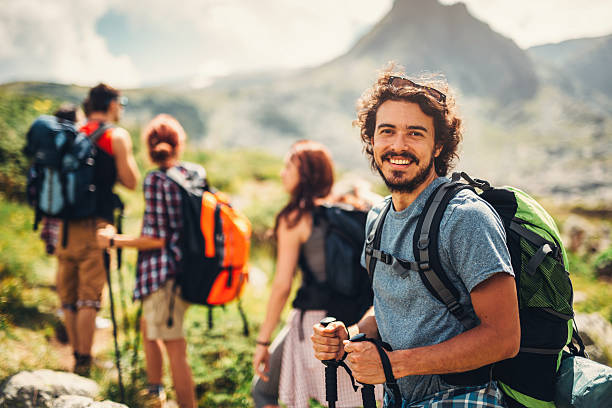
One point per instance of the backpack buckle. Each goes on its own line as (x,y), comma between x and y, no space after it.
(386,258)
(424,266)
(423,242)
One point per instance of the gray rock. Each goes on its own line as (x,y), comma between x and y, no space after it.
(29,389)
(107,404)
(74,401)
(579,297)
(596,332)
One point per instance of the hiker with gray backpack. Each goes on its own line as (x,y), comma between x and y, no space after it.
(71,178)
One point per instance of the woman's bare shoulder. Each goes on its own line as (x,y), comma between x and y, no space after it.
(288,227)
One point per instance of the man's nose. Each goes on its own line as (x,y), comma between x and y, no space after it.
(399,142)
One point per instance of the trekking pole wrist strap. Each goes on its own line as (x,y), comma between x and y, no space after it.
(382,347)
(384,359)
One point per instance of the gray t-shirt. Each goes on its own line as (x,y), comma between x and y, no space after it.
(472,244)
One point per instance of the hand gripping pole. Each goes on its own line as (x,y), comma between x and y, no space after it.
(367,390)
(331,373)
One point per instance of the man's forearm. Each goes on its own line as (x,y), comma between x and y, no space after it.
(470,350)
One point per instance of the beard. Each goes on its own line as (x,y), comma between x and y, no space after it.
(396,184)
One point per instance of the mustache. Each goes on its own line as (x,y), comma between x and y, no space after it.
(405,155)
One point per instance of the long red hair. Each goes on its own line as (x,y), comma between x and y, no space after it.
(316,178)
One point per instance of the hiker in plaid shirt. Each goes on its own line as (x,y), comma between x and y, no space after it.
(159,259)
(411,133)
(162,220)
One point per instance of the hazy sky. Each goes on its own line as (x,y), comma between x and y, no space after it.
(140,42)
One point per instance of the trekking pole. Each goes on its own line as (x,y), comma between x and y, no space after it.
(331,373)
(367,390)
(112,310)
(136,343)
(122,293)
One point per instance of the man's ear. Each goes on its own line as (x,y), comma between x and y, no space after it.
(112,105)
(438,150)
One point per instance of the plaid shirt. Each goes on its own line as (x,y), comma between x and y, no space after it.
(488,395)
(162,219)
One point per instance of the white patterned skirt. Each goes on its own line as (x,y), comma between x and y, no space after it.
(302,376)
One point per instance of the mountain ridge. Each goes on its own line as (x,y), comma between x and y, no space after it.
(525,124)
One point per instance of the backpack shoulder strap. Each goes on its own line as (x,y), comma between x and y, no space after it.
(194,170)
(177,176)
(425,246)
(188,181)
(97,134)
(372,247)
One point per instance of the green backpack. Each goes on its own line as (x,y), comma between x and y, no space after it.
(542,281)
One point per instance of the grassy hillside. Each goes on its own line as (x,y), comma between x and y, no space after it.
(220,357)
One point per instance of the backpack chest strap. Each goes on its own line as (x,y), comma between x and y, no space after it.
(425,243)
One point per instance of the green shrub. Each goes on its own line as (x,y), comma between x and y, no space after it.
(16,114)
(603,264)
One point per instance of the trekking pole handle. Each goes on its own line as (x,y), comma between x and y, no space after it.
(331,375)
(367,391)
(326,322)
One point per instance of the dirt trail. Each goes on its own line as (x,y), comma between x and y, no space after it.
(103,340)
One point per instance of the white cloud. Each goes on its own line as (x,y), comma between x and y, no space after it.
(56,41)
(249,35)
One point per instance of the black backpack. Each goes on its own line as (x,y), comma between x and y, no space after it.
(346,293)
(61,179)
(543,287)
(210,272)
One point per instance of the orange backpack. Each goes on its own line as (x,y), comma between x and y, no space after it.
(227,234)
(215,242)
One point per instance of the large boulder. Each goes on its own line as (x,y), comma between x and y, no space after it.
(596,332)
(51,389)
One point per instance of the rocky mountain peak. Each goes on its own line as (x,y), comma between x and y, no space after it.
(424,35)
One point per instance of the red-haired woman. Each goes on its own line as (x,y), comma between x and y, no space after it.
(286,369)
(158,263)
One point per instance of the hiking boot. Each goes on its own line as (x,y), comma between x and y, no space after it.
(82,365)
(152,399)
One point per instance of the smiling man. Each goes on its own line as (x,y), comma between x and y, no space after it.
(411,134)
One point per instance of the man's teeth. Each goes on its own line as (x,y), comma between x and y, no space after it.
(400,161)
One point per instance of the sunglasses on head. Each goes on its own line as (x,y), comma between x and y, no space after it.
(400,82)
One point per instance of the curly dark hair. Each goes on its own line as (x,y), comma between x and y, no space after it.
(448,133)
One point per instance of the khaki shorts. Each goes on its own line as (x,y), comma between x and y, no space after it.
(81,274)
(156,309)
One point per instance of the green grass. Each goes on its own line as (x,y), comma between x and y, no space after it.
(27,299)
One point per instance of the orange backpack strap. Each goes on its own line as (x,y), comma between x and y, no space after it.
(207,222)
